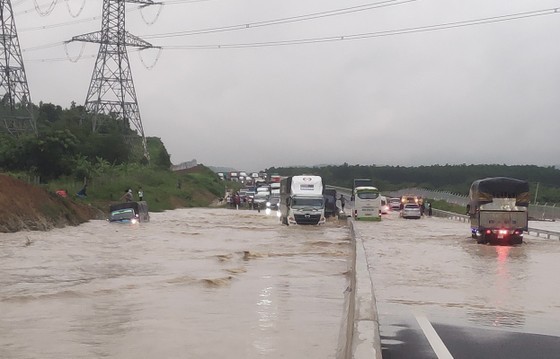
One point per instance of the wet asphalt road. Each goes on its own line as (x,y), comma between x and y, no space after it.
(441,295)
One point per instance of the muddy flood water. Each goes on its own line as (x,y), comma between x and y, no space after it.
(192,283)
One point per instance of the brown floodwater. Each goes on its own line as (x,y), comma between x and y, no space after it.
(192,283)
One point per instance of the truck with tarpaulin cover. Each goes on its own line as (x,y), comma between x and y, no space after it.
(301,200)
(498,209)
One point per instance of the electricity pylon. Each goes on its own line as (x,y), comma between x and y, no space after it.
(111,91)
(15,101)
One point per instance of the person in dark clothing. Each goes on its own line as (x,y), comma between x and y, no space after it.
(342,201)
(127,196)
(82,193)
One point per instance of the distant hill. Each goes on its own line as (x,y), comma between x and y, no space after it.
(222,169)
(451,178)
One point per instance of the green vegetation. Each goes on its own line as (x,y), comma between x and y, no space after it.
(451,178)
(445,206)
(67,153)
(163,189)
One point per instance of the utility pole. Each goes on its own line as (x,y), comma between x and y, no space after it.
(111,90)
(15,101)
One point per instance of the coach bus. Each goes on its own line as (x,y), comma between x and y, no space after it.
(367,203)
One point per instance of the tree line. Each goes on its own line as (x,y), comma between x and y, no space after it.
(67,146)
(544,181)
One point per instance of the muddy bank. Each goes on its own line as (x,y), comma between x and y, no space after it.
(27,207)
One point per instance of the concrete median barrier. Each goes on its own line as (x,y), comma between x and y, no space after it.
(360,333)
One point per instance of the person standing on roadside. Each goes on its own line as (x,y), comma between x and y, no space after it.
(237,200)
(127,196)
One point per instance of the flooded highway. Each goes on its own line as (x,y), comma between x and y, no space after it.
(192,283)
(432,268)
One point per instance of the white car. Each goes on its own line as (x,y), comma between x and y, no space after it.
(411,210)
(395,203)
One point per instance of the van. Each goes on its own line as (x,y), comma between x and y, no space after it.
(129,212)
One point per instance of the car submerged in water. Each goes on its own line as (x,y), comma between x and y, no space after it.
(129,212)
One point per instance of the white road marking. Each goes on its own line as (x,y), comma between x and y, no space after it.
(435,341)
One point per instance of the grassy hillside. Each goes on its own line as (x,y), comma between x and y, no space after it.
(30,207)
(163,189)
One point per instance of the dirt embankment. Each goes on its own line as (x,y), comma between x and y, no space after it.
(27,207)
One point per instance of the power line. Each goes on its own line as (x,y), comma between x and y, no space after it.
(305,17)
(170,2)
(286,20)
(299,18)
(41,47)
(385,33)
(62,24)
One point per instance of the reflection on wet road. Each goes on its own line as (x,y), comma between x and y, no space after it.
(432,267)
(193,283)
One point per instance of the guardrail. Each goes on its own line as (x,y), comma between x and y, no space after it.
(537,211)
(543,233)
(450,215)
(454,198)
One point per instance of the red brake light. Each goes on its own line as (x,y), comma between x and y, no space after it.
(488,231)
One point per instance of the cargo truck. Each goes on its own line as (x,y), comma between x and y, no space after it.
(301,200)
(498,210)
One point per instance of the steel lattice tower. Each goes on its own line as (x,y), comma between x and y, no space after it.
(111,91)
(15,100)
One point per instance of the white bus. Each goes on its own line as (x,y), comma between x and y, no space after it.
(367,203)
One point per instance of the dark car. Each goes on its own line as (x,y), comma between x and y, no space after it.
(260,199)
(129,212)
(273,203)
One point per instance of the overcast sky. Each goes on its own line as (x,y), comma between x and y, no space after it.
(487,93)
